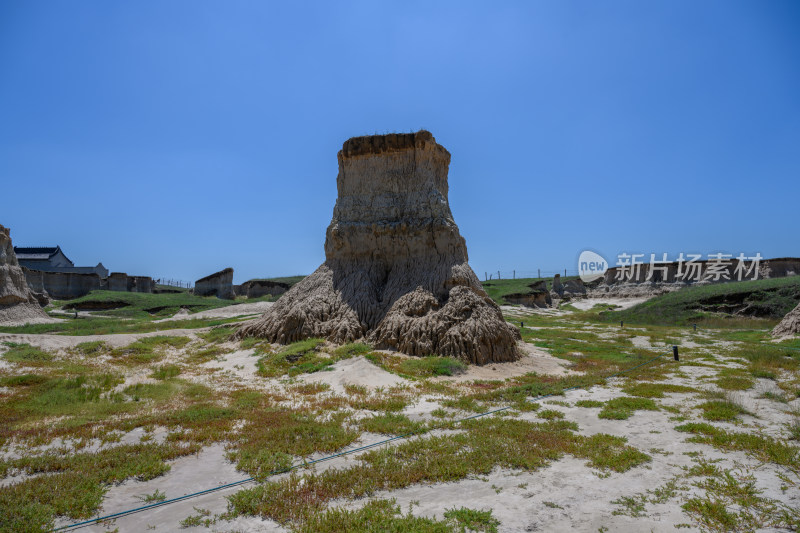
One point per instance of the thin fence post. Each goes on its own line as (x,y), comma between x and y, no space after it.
(515,274)
(498,274)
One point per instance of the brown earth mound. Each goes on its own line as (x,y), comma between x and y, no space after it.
(17,302)
(790,325)
(396,269)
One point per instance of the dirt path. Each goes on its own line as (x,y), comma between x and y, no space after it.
(50,342)
(230,311)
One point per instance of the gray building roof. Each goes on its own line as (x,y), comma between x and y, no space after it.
(38,253)
(53,259)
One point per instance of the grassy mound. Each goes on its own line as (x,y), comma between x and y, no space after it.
(141,305)
(718,305)
(127,312)
(289,280)
(497,289)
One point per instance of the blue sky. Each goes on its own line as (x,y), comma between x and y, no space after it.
(178,138)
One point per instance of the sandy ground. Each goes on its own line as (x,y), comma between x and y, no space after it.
(534,359)
(230,311)
(37,320)
(566,495)
(354,371)
(581,304)
(22,314)
(63,342)
(622,303)
(208,469)
(523,310)
(239,365)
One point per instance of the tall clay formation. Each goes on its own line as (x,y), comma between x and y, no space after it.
(17,302)
(396,269)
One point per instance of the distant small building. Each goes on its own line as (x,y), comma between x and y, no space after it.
(53,259)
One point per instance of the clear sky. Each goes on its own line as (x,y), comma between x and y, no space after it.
(177,138)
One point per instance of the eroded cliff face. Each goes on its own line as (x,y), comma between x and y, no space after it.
(259,287)
(396,269)
(672,277)
(17,302)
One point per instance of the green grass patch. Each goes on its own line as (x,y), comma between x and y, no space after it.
(525,388)
(432,366)
(622,408)
(589,403)
(149,349)
(514,444)
(71,396)
(203,355)
(465,519)
(151,391)
(300,357)
(721,410)
(218,334)
(26,355)
(761,447)
(794,428)
(75,484)
(166,372)
(385,515)
(141,305)
(350,350)
(734,382)
(768,358)
(774,396)
(25,380)
(762,373)
(656,390)
(390,424)
(272,436)
(731,501)
(253,342)
(379,402)
(91,348)
(109,325)
(550,414)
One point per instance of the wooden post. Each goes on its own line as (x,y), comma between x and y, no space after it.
(498,274)
(485,276)
(675,352)
(515,274)
(539,270)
